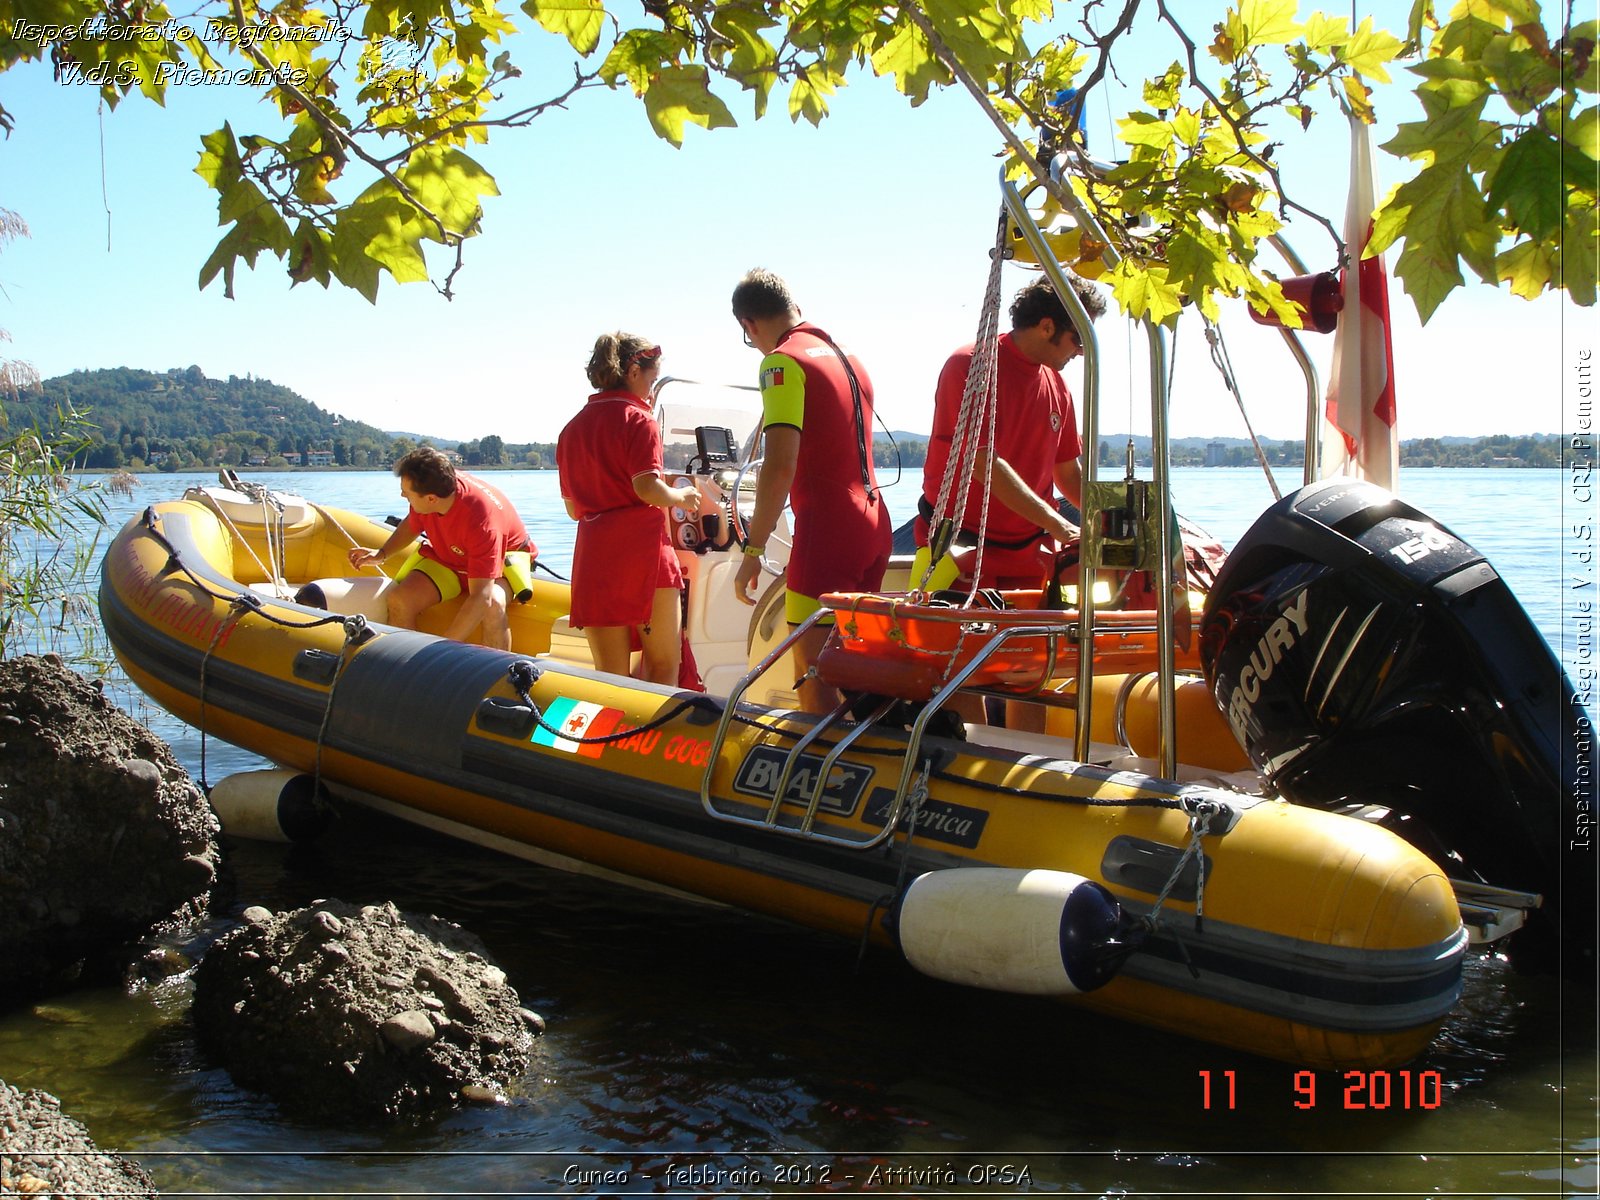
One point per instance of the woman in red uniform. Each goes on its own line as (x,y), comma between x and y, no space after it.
(625,575)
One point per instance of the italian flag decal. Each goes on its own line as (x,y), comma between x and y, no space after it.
(577,719)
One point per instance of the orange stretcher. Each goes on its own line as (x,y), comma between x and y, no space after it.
(892,645)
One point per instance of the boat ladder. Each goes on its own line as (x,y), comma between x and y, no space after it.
(802,780)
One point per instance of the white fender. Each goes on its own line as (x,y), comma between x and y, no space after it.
(269,806)
(366,595)
(1010,930)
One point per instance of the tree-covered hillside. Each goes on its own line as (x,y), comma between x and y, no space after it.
(182,420)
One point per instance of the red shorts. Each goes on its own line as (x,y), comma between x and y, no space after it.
(621,558)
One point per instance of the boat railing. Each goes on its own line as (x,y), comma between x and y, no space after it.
(839,720)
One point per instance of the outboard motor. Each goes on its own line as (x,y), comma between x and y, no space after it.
(1365,655)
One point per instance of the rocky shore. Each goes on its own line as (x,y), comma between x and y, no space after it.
(339,1012)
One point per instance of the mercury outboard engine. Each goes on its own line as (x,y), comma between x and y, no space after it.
(1366,656)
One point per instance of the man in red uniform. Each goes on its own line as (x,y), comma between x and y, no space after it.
(470,528)
(1036,446)
(817,421)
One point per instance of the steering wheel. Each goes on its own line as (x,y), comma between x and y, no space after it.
(740,519)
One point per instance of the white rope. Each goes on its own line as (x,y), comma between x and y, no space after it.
(327,515)
(978,407)
(270,576)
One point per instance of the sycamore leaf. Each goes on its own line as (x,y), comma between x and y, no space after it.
(310,258)
(808,100)
(1186,126)
(1369,51)
(681,96)
(1579,254)
(240,200)
(1448,134)
(219,162)
(980,34)
(745,29)
(637,56)
(1145,129)
(907,57)
(1359,97)
(1527,184)
(579,21)
(1583,131)
(380,231)
(1144,290)
(1199,267)
(1444,219)
(449,184)
(1526,267)
(1323,33)
(311,182)
(1261,23)
(1266,296)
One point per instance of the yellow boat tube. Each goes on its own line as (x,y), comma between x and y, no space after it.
(1287,932)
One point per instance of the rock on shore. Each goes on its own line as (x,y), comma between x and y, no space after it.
(45,1152)
(340,1012)
(103,835)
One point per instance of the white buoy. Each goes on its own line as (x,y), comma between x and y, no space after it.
(363,595)
(271,806)
(1032,932)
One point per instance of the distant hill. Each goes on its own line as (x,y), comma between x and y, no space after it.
(182,420)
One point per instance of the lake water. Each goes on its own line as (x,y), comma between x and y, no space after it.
(695,1050)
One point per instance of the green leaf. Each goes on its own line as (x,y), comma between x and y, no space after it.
(1527,184)
(1144,291)
(1145,129)
(1444,219)
(380,231)
(240,200)
(1523,77)
(745,28)
(1369,51)
(449,184)
(1263,23)
(1186,126)
(681,96)
(1526,267)
(1583,131)
(579,21)
(1323,33)
(907,57)
(1580,248)
(1449,133)
(219,162)
(808,101)
(637,56)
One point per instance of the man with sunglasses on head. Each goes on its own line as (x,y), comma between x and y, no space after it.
(817,427)
(1036,446)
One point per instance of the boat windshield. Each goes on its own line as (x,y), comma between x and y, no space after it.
(693,417)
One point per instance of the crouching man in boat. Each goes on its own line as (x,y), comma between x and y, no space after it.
(1035,452)
(817,421)
(625,574)
(471,530)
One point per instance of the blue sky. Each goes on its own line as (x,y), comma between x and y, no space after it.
(881,221)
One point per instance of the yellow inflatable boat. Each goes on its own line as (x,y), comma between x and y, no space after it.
(986,857)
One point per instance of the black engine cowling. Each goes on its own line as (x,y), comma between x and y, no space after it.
(1364,654)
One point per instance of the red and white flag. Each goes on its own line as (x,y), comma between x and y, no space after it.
(1358,430)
